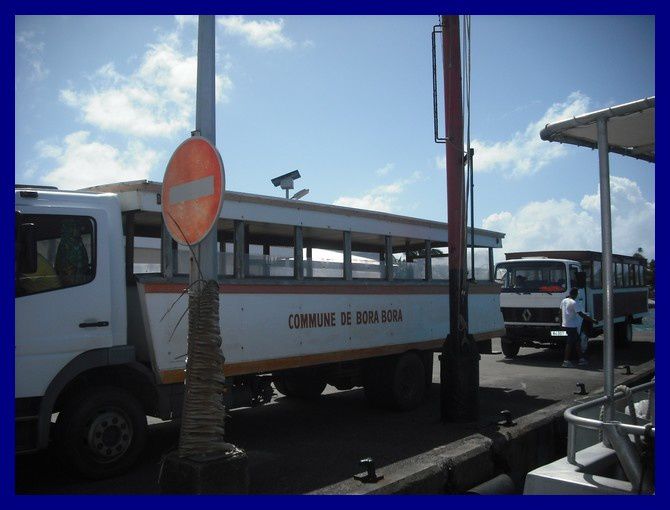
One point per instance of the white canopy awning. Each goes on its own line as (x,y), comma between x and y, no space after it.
(630,129)
(627,129)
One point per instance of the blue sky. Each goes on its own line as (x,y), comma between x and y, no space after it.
(347,100)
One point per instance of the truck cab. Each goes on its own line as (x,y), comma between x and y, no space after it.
(530,297)
(76,297)
(533,284)
(71,342)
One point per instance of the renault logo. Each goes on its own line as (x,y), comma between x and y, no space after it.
(526,315)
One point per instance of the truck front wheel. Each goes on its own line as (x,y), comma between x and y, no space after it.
(510,346)
(101,432)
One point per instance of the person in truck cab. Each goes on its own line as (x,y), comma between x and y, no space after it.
(572,315)
(520,282)
(71,256)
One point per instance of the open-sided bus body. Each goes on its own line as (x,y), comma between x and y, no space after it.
(535,283)
(310,294)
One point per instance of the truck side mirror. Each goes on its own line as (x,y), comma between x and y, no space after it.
(581,280)
(28,254)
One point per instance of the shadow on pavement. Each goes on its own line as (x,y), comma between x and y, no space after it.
(639,352)
(296,446)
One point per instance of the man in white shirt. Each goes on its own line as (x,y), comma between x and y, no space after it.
(572,315)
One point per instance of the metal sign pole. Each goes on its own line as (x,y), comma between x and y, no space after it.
(205,123)
(608,284)
(203,463)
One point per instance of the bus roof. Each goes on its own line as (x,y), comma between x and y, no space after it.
(577,255)
(320,221)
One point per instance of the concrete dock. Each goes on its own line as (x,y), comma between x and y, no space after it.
(299,447)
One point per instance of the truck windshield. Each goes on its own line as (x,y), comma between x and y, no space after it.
(529,276)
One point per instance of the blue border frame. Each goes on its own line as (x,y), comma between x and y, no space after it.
(7,33)
(333,7)
(7,289)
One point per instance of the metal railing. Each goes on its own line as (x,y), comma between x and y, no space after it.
(615,432)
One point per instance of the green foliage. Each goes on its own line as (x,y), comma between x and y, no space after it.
(650,274)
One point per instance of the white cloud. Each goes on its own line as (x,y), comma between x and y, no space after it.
(157,99)
(563,224)
(622,187)
(267,34)
(29,172)
(382,198)
(524,152)
(26,39)
(186,19)
(31,51)
(385,169)
(80,162)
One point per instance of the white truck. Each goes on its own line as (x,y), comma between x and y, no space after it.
(535,283)
(100,341)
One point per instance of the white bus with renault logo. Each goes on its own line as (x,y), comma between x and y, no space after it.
(535,283)
(311,294)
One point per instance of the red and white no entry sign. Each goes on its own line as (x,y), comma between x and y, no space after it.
(193,190)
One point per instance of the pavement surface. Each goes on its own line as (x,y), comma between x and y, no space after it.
(296,447)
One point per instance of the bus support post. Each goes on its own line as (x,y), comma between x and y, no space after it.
(459,362)
(608,284)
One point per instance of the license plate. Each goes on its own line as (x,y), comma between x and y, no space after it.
(559,333)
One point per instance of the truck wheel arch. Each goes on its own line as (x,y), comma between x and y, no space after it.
(114,358)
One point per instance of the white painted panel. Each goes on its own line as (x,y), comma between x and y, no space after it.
(484,313)
(261,326)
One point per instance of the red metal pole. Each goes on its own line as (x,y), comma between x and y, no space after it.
(459,363)
(453,105)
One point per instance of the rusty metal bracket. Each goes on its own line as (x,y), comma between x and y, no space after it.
(627,369)
(371,475)
(582,389)
(507,420)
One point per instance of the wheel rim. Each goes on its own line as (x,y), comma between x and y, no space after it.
(109,435)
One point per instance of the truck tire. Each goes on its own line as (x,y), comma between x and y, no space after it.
(409,382)
(396,382)
(623,333)
(510,347)
(306,384)
(101,432)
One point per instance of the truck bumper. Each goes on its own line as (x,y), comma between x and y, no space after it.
(541,334)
